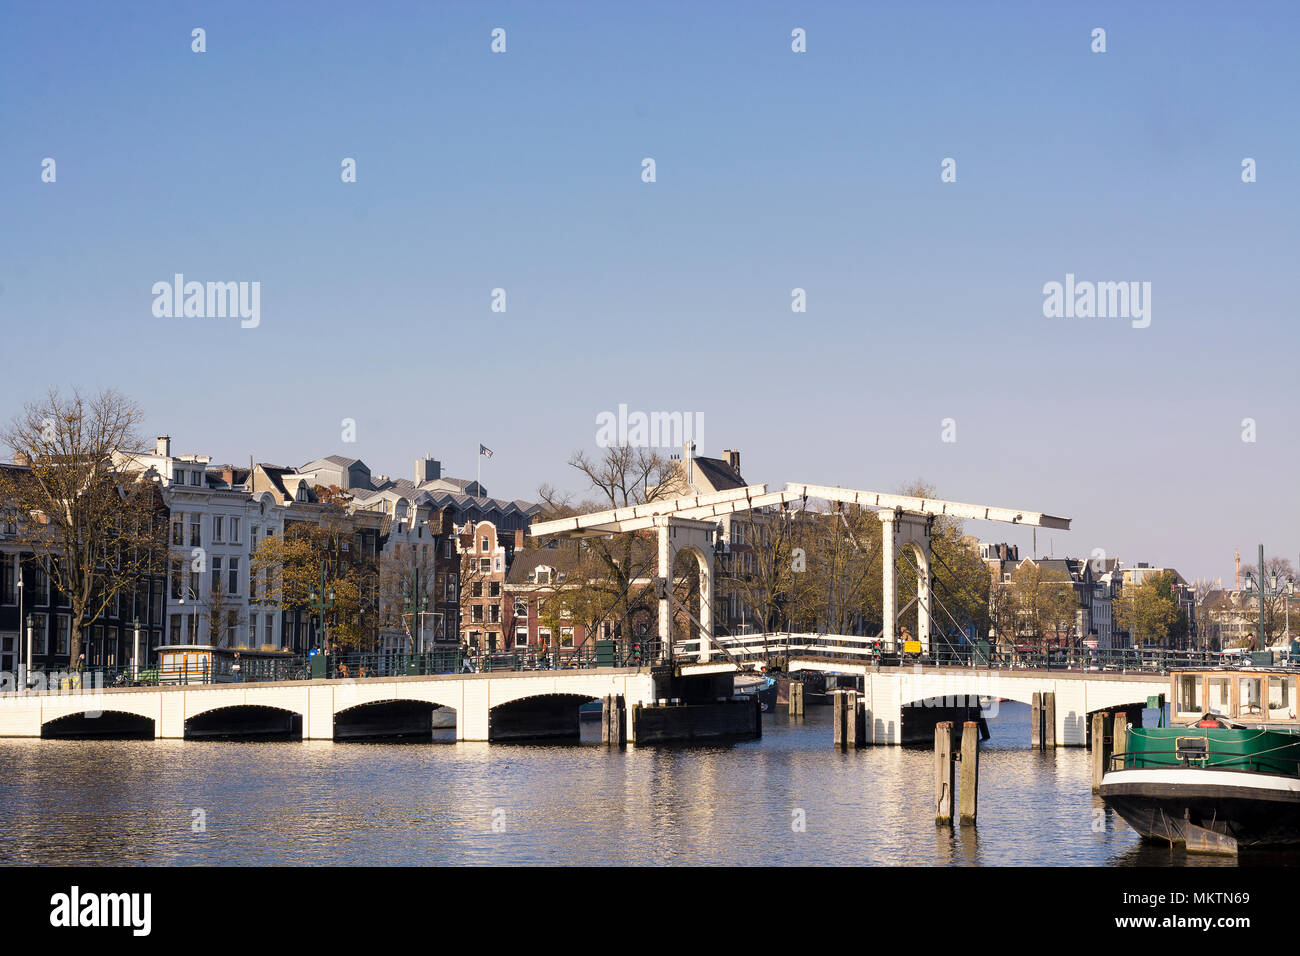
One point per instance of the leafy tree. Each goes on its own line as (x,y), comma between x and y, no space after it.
(94,524)
(1147,610)
(292,565)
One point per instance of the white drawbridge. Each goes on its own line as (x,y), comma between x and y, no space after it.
(689,524)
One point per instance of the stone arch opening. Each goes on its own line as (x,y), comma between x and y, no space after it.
(99,725)
(541,717)
(244,722)
(396,719)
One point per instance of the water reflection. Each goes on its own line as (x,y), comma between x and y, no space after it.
(134,802)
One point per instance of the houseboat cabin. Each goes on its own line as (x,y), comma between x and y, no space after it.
(205,664)
(1258,696)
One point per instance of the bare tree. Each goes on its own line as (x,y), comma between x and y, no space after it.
(96,528)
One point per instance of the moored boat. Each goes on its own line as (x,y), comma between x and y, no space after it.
(1228,777)
(760,685)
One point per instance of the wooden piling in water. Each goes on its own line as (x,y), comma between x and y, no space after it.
(796,698)
(851,720)
(1099,720)
(1036,722)
(838,720)
(1049,720)
(943,760)
(1119,741)
(970,770)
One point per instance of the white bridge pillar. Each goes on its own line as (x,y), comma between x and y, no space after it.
(677,535)
(902,528)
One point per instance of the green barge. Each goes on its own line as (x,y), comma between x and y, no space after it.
(1225,774)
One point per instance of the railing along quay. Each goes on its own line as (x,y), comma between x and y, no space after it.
(743,649)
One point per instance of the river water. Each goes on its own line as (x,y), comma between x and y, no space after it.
(789,798)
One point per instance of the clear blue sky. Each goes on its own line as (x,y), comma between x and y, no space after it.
(775,170)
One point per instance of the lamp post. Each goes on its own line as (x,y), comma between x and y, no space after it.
(31,626)
(321,601)
(135,652)
(194,632)
(416,601)
(1267,585)
(19,559)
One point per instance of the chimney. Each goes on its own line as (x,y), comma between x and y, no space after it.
(733,459)
(1238,570)
(519,539)
(21,459)
(163,446)
(427,469)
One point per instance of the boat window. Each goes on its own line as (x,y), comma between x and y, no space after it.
(1248,696)
(1189,693)
(1192,748)
(1281,698)
(1218,702)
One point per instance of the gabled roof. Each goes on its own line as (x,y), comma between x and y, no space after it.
(341,461)
(720,475)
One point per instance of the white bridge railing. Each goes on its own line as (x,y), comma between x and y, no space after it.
(754,647)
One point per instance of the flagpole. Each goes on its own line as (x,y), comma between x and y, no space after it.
(478,477)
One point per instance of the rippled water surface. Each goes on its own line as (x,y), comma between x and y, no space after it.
(134,802)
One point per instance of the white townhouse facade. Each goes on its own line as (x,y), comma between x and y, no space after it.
(215,528)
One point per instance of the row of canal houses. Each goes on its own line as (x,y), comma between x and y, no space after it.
(206,592)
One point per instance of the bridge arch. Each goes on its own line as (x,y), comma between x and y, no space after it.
(546,716)
(405,718)
(244,721)
(108,724)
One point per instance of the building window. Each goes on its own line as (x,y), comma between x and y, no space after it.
(218,529)
(196,531)
(476,589)
(178,531)
(234,531)
(566,637)
(180,476)
(494,613)
(268,632)
(521,637)
(483,545)
(40,585)
(39,643)
(485,565)
(156,613)
(63,634)
(234,576)
(216,574)
(476,613)
(195,478)
(8,589)
(494,588)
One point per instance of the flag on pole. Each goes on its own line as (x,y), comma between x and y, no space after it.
(484,450)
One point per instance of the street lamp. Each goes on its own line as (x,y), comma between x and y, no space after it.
(135,652)
(320,602)
(416,601)
(195,627)
(1268,585)
(31,627)
(19,562)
